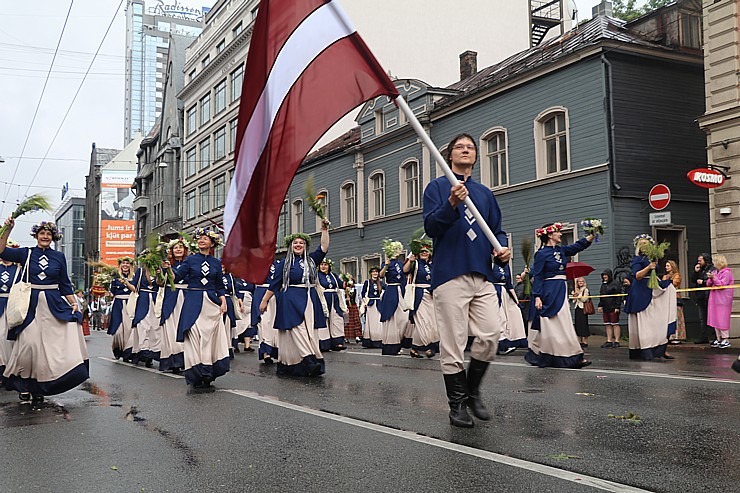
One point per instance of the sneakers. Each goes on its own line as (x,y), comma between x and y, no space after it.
(724,344)
(715,343)
(606,345)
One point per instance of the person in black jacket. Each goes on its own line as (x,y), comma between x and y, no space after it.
(698,280)
(609,308)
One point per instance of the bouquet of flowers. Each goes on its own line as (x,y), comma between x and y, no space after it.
(392,249)
(33,203)
(104,269)
(593,226)
(102,279)
(654,253)
(527,256)
(314,200)
(152,258)
(419,241)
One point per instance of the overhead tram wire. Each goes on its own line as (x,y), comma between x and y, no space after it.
(38,105)
(79,88)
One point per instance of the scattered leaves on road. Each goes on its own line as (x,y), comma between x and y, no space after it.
(113,468)
(587,394)
(564,456)
(630,416)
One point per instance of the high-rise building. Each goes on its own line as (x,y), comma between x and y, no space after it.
(70,219)
(148,26)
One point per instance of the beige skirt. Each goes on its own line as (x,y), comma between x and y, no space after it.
(6,346)
(122,340)
(169,344)
(514,326)
(207,343)
(299,342)
(49,357)
(373,328)
(425,321)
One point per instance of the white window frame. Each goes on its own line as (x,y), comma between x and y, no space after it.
(204,199)
(219,151)
(205,101)
(541,147)
(437,168)
(485,164)
(192,119)
(282,225)
(404,184)
(219,97)
(296,216)
(191,206)
(371,211)
(349,261)
(325,201)
(191,161)
(347,213)
(204,145)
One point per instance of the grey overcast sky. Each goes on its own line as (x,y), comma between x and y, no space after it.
(28,38)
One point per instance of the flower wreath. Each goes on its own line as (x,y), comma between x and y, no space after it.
(181,241)
(643,236)
(125,259)
(289,239)
(553,228)
(328,261)
(56,235)
(214,236)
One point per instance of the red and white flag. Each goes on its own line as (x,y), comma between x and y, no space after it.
(306,68)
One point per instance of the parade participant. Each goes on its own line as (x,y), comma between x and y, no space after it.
(552,340)
(330,286)
(609,306)
(147,336)
(426,334)
(699,280)
(393,318)
(674,275)
(9,273)
(719,307)
(201,327)
(268,334)
(464,297)
(580,297)
(49,355)
(120,323)
(651,313)
(353,325)
(244,329)
(372,290)
(172,353)
(513,334)
(230,315)
(298,312)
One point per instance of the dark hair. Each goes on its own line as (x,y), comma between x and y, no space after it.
(448,152)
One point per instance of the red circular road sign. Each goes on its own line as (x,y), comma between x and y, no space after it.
(659,197)
(706,178)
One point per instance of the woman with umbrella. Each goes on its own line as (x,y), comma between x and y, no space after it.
(552,341)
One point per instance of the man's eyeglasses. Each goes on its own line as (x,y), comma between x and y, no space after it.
(460,147)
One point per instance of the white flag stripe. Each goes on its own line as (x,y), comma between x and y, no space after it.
(325,26)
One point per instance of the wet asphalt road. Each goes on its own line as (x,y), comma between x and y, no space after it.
(379,423)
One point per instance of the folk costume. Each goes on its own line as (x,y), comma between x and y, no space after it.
(298,314)
(172,352)
(426,334)
(49,355)
(201,326)
(352,324)
(268,334)
(8,276)
(372,336)
(393,319)
(147,333)
(120,323)
(332,289)
(513,334)
(244,329)
(230,315)
(552,340)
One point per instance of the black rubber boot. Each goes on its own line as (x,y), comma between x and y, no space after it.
(456,385)
(476,370)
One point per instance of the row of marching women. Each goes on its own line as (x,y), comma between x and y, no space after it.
(42,348)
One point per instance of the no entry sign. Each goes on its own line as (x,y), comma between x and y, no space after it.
(659,197)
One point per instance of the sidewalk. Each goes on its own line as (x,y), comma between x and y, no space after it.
(595,341)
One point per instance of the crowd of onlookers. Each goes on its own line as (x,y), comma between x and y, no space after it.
(95,309)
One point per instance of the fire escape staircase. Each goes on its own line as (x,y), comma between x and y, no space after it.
(545,14)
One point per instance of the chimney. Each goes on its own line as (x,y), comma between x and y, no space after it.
(468,64)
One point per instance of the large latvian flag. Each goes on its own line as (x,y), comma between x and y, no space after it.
(306,68)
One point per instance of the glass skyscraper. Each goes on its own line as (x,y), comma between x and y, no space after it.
(148,25)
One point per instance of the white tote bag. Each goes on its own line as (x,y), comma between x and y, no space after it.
(133,298)
(19,298)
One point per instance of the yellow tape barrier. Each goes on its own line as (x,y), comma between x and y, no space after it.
(682,290)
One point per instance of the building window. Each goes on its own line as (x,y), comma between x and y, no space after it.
(323,198)
(205,153)
(220,46)
(410,185)
(379,122)
(690,30)
(191,160)
(191,76)
(219,143)
(254,12)
(206,61)
(219,102)
(237,77)
(495,167)
(282,231)
(349,266)
(348,210)
(189,205)
(296,224)
(368,262)
(377,195)
(205,109)
(204,191)
(237,30)
(219,191)
(232,134)
(192,120)
(551,141)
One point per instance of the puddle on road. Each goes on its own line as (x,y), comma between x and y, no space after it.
(16,414)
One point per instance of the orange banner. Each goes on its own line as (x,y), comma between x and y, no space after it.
(117,239)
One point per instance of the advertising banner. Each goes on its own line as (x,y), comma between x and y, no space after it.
(117,219)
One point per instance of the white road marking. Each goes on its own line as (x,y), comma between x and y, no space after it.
(583,479)
(151,370)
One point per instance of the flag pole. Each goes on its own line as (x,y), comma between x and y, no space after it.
(411,118)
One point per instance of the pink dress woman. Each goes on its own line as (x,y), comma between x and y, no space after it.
(720,305)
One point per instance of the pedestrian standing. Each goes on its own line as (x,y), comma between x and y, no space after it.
(609,307)
(201,327)
(699,280)
(720,301)
(352,326)
(674,275)
(581,296)
(372,291)
(49,355)
(552,340)
(464,298)
(120,322)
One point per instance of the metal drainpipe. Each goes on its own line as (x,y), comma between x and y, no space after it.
(614,186)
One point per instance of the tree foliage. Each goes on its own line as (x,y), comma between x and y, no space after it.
(627,10)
